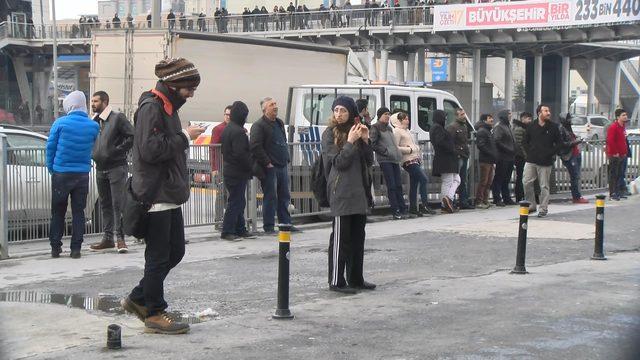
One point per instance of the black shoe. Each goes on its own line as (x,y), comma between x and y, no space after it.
(426,210)
(542,213)
(510,203)
(467,207)
(295,229)
(397,216)
(248,235)
(365,286)
(75,254)
(230,237)
(343,289)
(55,253)
(270,232)
(447,205)
(415,212)
(499,204)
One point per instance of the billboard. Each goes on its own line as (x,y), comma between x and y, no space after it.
(439,69)
(534,14)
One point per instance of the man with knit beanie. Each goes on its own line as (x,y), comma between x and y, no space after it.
(160,179)
(388,156)
(236,156)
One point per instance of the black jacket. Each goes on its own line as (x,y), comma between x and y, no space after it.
(261,140)
(503,136)
(160,150)
(518,128)
(236,154)
(445,160)
(113,143)
(542,143)
(487,150)
(460,134)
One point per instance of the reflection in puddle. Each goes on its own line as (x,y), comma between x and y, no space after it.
(105,303)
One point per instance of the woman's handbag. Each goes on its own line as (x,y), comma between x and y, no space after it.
(135,214)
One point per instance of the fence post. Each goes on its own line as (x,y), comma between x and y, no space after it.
(253,204)
(4,200)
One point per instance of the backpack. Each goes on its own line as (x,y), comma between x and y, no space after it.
(319,182)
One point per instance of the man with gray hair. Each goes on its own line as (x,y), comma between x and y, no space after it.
(271,152)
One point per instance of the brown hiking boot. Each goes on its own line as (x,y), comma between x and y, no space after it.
(105,244)
(138,310)
(163,324)
(122,246)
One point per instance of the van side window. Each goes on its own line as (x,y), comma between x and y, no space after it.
(450,108)
(426,106)
(400,102)
(317,110)
(598,121)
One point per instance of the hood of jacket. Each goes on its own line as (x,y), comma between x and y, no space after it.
(440,117)
(393,120)
(75,101)
(483,125)
(239,113)
(503,116)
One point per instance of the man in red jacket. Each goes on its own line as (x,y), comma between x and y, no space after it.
(616,151)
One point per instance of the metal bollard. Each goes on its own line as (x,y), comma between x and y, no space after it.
(598,252)
(284,241)
(113,337)
(522,239)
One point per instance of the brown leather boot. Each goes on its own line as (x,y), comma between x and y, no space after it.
(138,310)
(122,246)
(106,243)
(163,324)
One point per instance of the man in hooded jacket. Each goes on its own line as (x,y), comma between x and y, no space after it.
(445,161)
(505,143)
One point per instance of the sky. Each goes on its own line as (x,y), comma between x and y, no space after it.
(69,9)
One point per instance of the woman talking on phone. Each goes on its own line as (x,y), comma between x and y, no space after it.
(347,155)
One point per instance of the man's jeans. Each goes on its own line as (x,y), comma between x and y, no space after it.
(234,222)
(573,166)
(543,175)
(615,169)
(275,187)
(164,250)
(417,181)
(501,180)
(111,189)
(64,185)
(623,172)
(463,192)
(392,179)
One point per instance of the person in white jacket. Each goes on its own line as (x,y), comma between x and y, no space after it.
(411,163)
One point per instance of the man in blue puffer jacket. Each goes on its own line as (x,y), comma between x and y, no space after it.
(69,161)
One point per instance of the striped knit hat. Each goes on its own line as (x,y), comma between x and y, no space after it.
(178,73)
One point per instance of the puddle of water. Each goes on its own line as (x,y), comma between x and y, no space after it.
(106,303)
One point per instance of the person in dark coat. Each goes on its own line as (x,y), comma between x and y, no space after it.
(571,156)
(487,158)
(519,128)
(236,156)
(505,143)
(347,157)
(460,132)
(445,161)
(116,21)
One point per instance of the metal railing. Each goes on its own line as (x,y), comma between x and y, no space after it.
(25,206)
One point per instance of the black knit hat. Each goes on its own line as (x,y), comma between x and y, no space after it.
(239,112)
(381,112)
(347,103)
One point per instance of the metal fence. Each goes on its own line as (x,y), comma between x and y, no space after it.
(26,187)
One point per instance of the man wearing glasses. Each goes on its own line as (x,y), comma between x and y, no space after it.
(215,159)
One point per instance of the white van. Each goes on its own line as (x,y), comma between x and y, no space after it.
(309,109)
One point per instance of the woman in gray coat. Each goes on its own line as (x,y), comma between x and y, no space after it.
(347,155)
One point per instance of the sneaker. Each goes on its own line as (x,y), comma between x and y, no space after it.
(75,254)
(614,197)
(122,247)
(343,289)
(163,323)
(447,205)
(230,237)
(580,201)
(141,312)
(542,213)
(483,206)
(105,244)
(248,235)
(397,216)
(55,252)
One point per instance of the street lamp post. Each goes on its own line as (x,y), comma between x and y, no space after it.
(55,60)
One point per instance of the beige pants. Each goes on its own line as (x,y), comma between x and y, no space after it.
(543,174)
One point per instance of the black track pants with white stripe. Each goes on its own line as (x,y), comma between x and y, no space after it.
(346,250)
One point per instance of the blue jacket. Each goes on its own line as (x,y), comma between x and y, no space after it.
(70,143)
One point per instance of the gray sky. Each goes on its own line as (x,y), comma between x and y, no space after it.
(69,9)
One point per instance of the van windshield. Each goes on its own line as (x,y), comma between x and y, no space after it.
(317,106)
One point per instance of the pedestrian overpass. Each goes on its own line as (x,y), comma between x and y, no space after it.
(599,51)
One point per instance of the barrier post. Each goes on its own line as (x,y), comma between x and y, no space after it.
(598,252)
(522,239)
(4,199)
(284,241)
